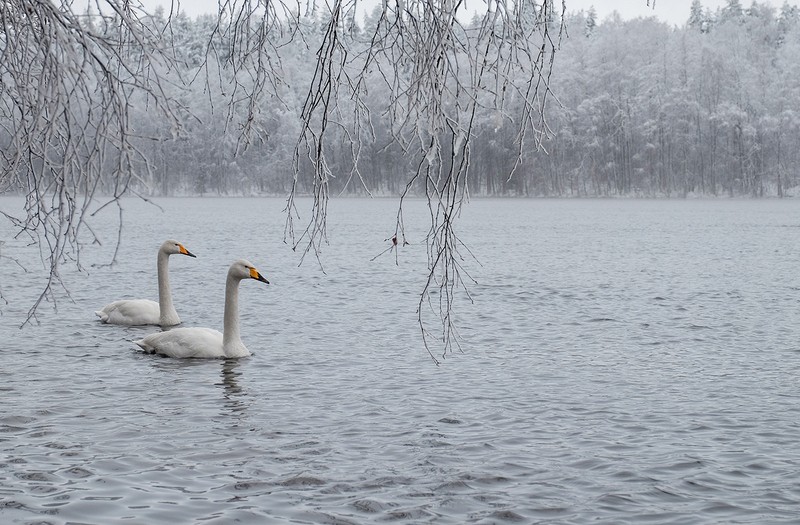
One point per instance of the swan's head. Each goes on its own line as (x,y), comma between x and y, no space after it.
(244,269)
(171,247)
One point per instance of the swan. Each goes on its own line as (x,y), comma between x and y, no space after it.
(205,342)
(133,312)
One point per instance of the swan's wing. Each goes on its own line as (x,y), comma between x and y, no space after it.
(130,312)
(184,342)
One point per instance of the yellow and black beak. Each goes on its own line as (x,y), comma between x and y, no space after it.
(184,251)
(257,276)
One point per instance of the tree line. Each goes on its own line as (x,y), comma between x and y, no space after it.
(640,109)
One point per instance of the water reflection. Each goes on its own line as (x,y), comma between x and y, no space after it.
(232,390)
(193,373)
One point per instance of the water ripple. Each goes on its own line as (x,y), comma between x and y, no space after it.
(624,381)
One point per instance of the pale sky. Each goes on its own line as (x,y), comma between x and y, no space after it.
(674,12)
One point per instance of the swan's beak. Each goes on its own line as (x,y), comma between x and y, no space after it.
(184,251)
(257,276)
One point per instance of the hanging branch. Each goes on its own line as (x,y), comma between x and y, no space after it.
(438,73)
(68,86)
(66,90)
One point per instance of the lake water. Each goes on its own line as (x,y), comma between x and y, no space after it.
(624,361)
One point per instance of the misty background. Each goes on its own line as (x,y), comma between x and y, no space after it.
(641,108)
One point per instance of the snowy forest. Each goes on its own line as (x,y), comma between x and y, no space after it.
(639,109)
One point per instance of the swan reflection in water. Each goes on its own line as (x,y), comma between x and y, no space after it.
(186,373)
(231,389)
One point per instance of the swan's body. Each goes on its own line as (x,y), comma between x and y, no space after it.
(133,312)
(188,342)
(205,342)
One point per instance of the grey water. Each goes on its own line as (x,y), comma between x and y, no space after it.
(623,361)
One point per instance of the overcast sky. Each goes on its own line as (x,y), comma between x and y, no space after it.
(671,11)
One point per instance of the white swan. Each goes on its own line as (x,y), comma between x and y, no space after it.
(205,342)
(133,312)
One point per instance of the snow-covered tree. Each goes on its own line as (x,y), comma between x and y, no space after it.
(732,11)
(591,22)
(696,16)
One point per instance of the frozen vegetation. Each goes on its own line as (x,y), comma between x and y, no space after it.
(640,109)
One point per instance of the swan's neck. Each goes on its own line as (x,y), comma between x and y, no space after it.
(168,315)
(231,338)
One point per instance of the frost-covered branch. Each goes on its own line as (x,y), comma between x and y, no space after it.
(67,83)
(437,72)
(418,69)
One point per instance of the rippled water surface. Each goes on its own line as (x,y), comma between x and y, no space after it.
(624,362)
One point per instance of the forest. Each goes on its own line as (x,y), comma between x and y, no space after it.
(639,108)
(632,108)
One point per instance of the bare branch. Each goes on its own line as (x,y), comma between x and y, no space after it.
(68,81)
(437,73)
